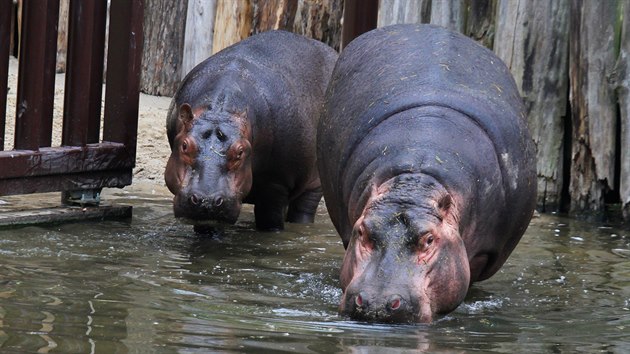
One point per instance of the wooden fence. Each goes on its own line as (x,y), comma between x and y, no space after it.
(83,164)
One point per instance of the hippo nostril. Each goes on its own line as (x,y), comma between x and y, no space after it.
(394,302)
(361,300)
(218,201)
(194,199)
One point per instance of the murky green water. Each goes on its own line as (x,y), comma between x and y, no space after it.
(151,285)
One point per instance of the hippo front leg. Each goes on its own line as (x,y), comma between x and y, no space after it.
(270,207)
(303,208)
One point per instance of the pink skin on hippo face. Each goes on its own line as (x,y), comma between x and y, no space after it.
(405,261)
(209,170)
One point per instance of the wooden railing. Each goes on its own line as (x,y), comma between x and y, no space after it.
(82,163)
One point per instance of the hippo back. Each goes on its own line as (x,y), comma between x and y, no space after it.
(399,68)
(271,69)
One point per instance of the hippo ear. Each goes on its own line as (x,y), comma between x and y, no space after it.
(444,205)
(185,113)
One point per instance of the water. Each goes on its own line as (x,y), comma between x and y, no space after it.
(151,285)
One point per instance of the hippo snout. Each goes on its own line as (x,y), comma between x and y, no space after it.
(387,308)
(207,207)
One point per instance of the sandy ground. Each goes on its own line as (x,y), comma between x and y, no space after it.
(152,148)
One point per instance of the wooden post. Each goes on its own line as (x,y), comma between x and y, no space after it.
(392,12)
(449,13)
(233,23)
(84,79)
(623,91)
(123,75)
(5,46)
(358,17)
(199,33)
(273,15)
(532,38)
(62,35)
(480,21)
(163,47)
(36,80)
(593,102)
(320,19)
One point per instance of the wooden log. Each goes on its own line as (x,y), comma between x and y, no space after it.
(164,23)
(320,19)
(532,39)
(199,33)
(233,23)
(593,103)
(623,91)
(392,12)
(449,13)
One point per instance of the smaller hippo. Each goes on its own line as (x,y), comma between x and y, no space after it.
(242,130)
(427,168)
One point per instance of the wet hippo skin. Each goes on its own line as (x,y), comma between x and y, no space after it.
(242,130)
(427,170)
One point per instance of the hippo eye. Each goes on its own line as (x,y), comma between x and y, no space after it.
(184,146)
(239,154)
(428,240)
(221,136)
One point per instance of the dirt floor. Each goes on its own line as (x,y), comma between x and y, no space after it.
(152,150)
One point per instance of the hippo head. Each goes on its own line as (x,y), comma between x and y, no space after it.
(405,261)
(209,170)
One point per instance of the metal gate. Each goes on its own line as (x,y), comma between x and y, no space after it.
(84,163)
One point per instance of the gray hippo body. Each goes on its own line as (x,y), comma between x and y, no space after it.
(242,129)
(427,169)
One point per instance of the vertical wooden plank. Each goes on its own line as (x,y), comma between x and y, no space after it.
(593,102)
(199,33)
(6,7)
(84,77)
(532,38)
(320,19)
(123,73)
(233,23)
(36,81)
(449,13)
(358,17)
(393,12)
(623,90)
(165,21)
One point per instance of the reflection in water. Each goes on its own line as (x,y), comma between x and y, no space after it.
(151,284)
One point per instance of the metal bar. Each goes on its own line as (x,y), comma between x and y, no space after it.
(358,17)
(84,76)
(36,80)
(78,181)
(123,73)
(64,160)
(6,11)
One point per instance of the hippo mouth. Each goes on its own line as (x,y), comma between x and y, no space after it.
(226,212)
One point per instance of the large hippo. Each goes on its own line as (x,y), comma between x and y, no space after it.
(242,127)
(427,170)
